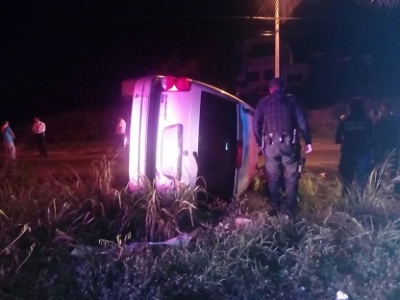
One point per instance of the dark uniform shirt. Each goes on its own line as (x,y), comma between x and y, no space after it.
(355,133)
(279,113)
(387,133)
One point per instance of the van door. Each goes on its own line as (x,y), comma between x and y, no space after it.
(178,129)
(152,128)
(217,144)
(143,130)
(138,129)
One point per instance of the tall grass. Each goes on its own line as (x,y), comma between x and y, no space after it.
(335,243)
(164,208)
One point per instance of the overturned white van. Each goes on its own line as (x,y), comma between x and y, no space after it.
(182,129)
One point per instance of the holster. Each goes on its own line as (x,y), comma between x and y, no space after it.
(279,138)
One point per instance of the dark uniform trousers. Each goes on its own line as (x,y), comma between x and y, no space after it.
(41,143)
(119,141)
(353,164)
(283,157)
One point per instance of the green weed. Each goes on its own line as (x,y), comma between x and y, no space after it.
(349,243)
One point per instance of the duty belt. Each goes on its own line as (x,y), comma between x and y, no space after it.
(278,138)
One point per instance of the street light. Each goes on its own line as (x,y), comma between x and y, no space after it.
(277,57)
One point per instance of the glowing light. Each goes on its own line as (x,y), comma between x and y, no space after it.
(183,84)
(169,83)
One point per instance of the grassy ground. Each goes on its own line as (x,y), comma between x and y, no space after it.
(335,243)
(231,249)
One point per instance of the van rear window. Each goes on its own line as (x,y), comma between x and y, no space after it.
(171,152)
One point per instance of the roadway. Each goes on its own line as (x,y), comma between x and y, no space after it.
(325,156)
(85,160)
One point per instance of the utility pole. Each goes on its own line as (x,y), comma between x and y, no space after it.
(277,57)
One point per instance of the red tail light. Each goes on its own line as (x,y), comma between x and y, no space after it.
(167,82)
(182,84)
(175,84)
(239,153)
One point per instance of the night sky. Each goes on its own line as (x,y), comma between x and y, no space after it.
(63,55)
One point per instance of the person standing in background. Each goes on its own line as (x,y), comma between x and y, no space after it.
(386,135)
(120,134)
(374,115)
(8,141)
(355,135)
(39,129)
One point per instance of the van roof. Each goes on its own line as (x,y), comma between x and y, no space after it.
(128,87)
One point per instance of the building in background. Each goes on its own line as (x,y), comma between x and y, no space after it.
(256,55)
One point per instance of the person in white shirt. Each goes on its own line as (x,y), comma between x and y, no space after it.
(120,134)
(39,129)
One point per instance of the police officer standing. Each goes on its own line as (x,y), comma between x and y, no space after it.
(355,133)
(386,139)
(277,121)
